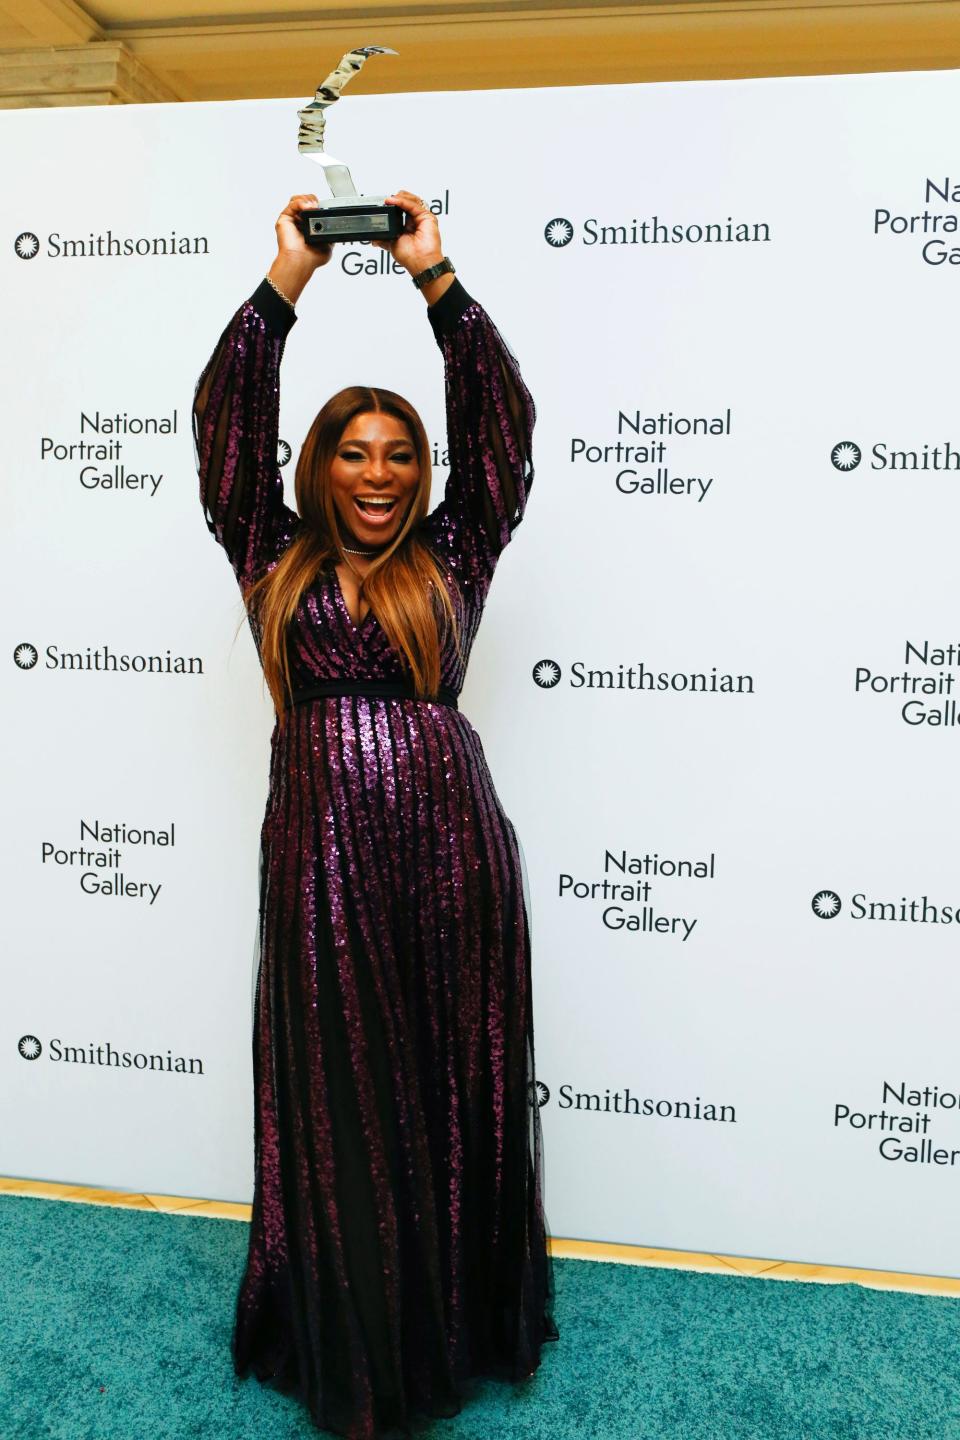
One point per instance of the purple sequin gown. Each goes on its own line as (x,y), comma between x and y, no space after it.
(398,1242)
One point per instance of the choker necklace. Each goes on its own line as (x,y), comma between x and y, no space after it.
(367,554)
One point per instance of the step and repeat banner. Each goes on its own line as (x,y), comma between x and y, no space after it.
(717,681)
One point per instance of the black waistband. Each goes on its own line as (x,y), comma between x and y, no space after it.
(373,689)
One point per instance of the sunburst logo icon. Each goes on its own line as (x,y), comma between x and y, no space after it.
(539,1094)
(826,904)
(27,245)
(546,673)
(283,452)
(558,232)
(30,1047)
(847,455)
(25,655)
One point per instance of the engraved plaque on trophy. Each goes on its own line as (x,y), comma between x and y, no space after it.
(347,215)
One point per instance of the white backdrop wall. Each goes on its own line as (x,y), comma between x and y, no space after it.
(723,1067)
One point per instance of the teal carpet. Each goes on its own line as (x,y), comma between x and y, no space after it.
(115,1325)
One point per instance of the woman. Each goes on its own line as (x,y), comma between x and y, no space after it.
(398,1243)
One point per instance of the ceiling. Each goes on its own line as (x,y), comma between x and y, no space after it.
(111,51)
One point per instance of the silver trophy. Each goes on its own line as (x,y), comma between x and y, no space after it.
(347,216)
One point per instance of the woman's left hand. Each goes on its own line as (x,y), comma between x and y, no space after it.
(419,246)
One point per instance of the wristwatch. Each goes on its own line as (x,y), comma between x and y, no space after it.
(442,267)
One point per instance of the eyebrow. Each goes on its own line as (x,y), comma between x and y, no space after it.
(393,440)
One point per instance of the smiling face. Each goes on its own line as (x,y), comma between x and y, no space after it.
(374,476)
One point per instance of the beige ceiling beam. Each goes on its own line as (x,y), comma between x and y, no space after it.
(491,45)
(50,22)
(99,73)
(52,52)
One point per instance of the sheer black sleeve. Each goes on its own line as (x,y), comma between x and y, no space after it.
(490,419)
(235,426)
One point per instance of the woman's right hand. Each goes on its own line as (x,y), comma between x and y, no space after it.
(296,260)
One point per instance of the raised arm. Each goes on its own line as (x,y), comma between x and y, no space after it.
(236,412)
(490,413)
(490,418)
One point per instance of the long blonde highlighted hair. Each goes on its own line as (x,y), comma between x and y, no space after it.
(405,586)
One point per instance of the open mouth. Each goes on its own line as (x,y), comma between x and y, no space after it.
(377,508)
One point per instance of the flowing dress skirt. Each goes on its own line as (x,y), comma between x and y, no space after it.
(398,1242)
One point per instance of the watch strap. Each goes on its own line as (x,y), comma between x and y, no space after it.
(442,267)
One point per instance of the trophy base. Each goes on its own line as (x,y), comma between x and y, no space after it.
(364,219)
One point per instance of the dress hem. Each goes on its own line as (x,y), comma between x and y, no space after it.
(419,1411)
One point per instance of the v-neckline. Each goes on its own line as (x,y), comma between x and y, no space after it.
(355,625)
